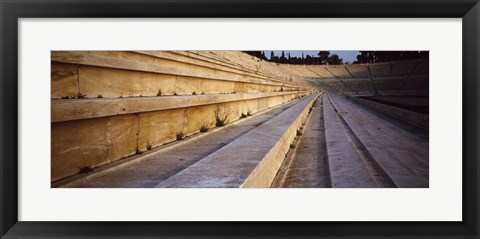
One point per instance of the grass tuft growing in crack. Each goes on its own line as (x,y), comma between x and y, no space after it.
(85,169)
(180,135)
(204,128)
(221,116)
(81,95)
(137,151)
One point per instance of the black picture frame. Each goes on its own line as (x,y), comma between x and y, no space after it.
(11,11)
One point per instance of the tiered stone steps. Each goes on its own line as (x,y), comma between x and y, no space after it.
(333,143)
(110,105)
(306,166)
(246,153)
(361,148)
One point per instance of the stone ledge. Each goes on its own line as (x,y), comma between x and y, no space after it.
(375,70)
(84,58)
(421,76)
(256,167)
(265,68)
(268,68)
(196,144)
(185,57)
(417,119)
(76,109)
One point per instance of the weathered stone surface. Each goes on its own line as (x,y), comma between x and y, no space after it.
(262,88)
(208,71)
(240,87)
(121,97)
(187,85)
(388,84)
(292,70)
(358,71)
(127,55)
(198,71)
(402,151)
(262,104)
(272,101)
(113,83)
(185,57)
(104,127)
(255,167)
(321,71)
(347,169)
(361,85)
(79,109)
(271,88)
(68,57)
(142,62)
(251,87)
(380,70)
(301,70)
(217,86)
(91,143)
(198,117)
(250,106)
(159,127)
(411,117)
(65,110)
(122,133)
(234,110)
(78,144)
(64,82)
(308,165)
(137,57)
(148,169)
(339,71)
(114,54)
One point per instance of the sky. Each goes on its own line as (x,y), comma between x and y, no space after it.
(346,55)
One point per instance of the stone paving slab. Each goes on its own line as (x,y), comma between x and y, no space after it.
(347,169)
(309,167)
(402,152)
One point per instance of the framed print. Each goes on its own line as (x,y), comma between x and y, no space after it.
(239,119)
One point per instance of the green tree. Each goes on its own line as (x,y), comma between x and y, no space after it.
(324,55)
(335,60)
(282,57)
(387,56)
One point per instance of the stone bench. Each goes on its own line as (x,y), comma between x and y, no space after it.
(249,161)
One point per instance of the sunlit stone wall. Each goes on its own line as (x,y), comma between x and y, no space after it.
(110,105)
